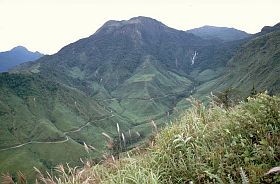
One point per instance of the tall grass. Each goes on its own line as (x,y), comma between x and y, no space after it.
(207,145)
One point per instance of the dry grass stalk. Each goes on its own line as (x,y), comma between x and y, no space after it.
(86,147)
(7,179)
(154,125)
(92,148)
(106,136)
(118,128)
(273,170)
(123,138)
(21,178)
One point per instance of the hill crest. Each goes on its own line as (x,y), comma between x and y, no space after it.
(222,33)
(16,56)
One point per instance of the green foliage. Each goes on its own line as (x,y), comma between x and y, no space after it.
(219,142)
(207,145)
(228,97)
(253,91)
(255,64)
(27,85)
(138,174)
(44,117)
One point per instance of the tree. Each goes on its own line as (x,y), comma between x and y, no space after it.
(253,91)
(227,97)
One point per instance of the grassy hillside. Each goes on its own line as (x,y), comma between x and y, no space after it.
(41,118)
(206,145)
(151,92)
(255,65)
(45,119)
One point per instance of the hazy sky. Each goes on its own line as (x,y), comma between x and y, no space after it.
(48,25)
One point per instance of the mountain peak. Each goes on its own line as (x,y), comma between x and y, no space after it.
(140,20)
(24,50)
(267,29)
(216,27)
(19,48)
(15,56)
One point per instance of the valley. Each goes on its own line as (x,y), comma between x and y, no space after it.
(121,80)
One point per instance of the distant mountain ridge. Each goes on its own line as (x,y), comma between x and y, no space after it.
(16,56)
(223,33)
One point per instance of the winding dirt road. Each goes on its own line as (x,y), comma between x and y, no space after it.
(85,125)
(56,142)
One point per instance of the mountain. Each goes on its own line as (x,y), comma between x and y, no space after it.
(128,73)
(135,62)
(117,81)
(222,33)
(16,56)
(255,65)
(118,48)
(268,29)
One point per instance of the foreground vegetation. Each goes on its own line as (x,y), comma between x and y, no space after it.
(207,145)
(129,73)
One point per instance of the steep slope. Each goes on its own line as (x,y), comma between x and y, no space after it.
(44,123)
(257,63)
(222,33)
(16,56)
(155,90)
(268,29)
